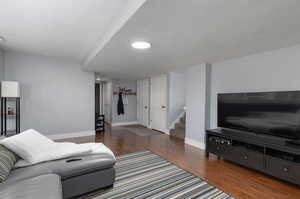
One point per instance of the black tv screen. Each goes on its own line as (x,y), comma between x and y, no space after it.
(274,113)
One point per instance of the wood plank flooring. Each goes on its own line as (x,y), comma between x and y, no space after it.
(238,181)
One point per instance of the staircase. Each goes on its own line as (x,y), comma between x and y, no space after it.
(179,130)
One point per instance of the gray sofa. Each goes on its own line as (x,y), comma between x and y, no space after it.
(65,178)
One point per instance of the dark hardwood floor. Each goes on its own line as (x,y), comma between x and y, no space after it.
(235,180)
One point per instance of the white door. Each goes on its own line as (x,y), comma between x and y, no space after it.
(158,108)
(143,102)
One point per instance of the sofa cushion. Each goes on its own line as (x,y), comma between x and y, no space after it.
(45,186)
(27,172)
(7,162)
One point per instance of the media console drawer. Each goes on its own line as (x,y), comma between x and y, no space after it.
(246,157)
(238,154)
(283,169)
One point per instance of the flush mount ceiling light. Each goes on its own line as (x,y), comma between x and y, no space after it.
(141,45)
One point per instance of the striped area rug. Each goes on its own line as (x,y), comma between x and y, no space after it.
(144,175)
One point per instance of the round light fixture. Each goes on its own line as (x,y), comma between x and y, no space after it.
(141,45)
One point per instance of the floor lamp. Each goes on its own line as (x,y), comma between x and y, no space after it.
(10,90)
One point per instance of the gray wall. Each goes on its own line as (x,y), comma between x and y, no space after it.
(176,96)
(277,70)
(1,65)
(196,102)
(56,96)
(131,108)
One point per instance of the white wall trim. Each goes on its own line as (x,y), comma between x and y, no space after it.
(166,132)
(108,122)
(172,126)
(71,135)
(124,123)
(195,143)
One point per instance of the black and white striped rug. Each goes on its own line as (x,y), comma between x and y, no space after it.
(144,175)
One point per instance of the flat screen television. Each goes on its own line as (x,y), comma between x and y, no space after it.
(274,113)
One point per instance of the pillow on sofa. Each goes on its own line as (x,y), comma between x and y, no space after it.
(7,162)
(27,143)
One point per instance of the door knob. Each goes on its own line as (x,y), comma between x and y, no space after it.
(145,106)
(163,107)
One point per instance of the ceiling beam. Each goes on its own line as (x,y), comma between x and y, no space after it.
(118,23)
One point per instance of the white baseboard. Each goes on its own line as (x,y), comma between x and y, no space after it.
(124,123)
(108,122)
(172,126)
(71,135)
(195,143)
(166,132)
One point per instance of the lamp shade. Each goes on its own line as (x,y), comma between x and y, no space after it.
(10,89)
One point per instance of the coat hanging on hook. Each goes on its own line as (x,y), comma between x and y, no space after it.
(120,104)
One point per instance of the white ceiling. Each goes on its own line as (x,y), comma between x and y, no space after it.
(187,32)
(72,29)
(98,33)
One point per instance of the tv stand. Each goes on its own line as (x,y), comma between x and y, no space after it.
(275,156)
(293,142)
